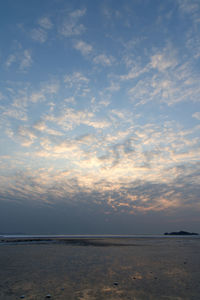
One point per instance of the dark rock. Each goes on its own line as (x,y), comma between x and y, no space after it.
(22,297)
(115,283)
(48,296)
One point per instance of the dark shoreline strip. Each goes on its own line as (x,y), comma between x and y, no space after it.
(67,241)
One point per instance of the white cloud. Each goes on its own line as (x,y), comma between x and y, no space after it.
(76,77)
(70,100)
(189,6)
(18,113)
(83,47)
(97,124)
(42,127)
(26,136)
(161,62)
(39,35)
(10,60)
(21,58)
(103,60)
(49,88)
(71,25)
(113,87)
(26,60)
(35,97)
(77,13)
(78,82)
(70,118)
(45,23)
(196,115)
(135,72)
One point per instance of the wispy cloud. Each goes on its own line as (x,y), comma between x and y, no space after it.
(42,127)
(22,58)
(83,47)
(71,26)
(45,23)
(10,60)
(196,115)
(75,78)
(161,62)
(49,88)
(39,35)
(103,60)
(78,83)
(26,60)
(26,136)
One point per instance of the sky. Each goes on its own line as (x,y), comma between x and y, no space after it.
(100,116)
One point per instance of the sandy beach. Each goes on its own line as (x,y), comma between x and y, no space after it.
(132,268)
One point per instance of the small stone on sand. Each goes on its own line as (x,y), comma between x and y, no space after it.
(48,296)
(115,283)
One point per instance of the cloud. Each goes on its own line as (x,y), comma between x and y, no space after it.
(18,108)
(76,14)
(130,197)
(71,25)
(190,7)
(70,118)
(78,82)
(21,58)
(141,169)
(83,47)
(49,88)
(39,35)
(42,127)
(45,23)
(164,79)
(26,60)
(196,115)
(16,113)
(26,135)
(75,78)
(103,59)
(161,62)
(70,100)
(135,72)
(37,96)
(10,60)
(97,123)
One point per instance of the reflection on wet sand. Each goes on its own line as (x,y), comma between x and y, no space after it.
(134,269)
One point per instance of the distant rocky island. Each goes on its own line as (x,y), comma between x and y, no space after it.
(180,233)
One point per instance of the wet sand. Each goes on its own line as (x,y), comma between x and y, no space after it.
(132,268)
